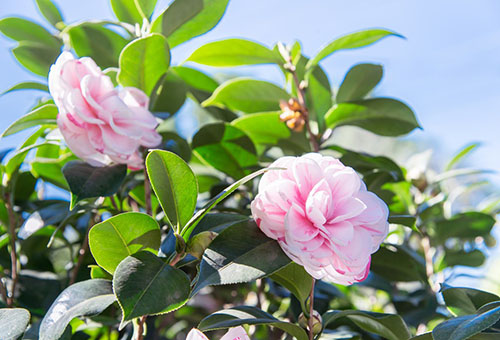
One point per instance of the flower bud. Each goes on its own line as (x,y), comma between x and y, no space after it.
(197,245)
(317,322)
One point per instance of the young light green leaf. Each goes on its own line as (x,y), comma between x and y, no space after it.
(44,115)
(122,235)
(359,81)
(350,41)
(84,298)
(233,52)
(230,258)
(13,322)
(146,285)
(50,12)
(178,13)
(174,183)
(199,24)
(25,30)
(143,62)
(383,116)
(27,85)
(246,315)
(196,79)
(461,155)
(36,57)
(247,95)
(127,11)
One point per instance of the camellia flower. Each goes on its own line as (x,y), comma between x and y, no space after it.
(100,123)
(322,215)
(237,333)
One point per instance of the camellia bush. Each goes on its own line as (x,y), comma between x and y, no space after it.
(256,227)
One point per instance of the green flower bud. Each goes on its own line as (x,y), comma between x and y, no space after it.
(197,245)
(317,322)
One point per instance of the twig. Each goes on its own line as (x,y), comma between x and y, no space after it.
(311,311)
(429,266)
(82,252)
(140,327)
(147,193)
(13,253)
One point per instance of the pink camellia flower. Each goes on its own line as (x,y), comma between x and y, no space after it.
(322,216)
(237,333)
(100,123)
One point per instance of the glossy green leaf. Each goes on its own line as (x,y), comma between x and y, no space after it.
(461,155)
(174,183)
(86,181)
(247,95)
(174,143)
(199,24)
(398,263)
(98,42)
(350,41)
(464,327)
(383,116)
(143,62)
(13,322)
(464,301)
(472,258)
(146,285)
(36,57)
(25,30)
(233,52)
(318,95)
(226,148)
(50,12)
(466,225)
(27,85)
(294,278)
(44,115)
(127,11)
(170,95)
(122,235)
(230,258)
(389,326)
(48,163)
(178,13)
(359,81)
(264,128)
(196,79)
(85,298)
(247,315)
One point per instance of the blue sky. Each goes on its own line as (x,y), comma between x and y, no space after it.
(447,69)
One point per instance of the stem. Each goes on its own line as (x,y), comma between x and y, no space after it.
(429,266)
(13,253)
(147,193)
(176,259)
(81,253)
(113,202)
(140,327)
(311,311)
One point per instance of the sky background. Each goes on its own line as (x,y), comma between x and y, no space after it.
(447,69)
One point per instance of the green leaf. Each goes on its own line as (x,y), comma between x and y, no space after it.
(178,13)
(230,258)
(472,258)
(233,52)
(383,116)
(98,42)
(217,199)
(36,57)
(86,181)
(43,115)
(463,301)
(127,11)
(174,143)
(27,85)
(294,278)
(19,156)
(226,148)
(25,30)
(461,155)
(466,225)
(464,327)
(264,128)
(199,24)
(246,315)
(13,322)
(359,81)
(122,235)
(84,298)
(318,95)
(170,95)
(146,7)
(50,12)
(350,41)
(247,95)
(48,163)
(174,183)
(398,263)
(143,62)
(196,79)
(389,326)
(146,285)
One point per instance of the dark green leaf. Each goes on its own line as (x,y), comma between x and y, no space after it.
(389,326)
(473,258)
(226,148)
(247,95)
(383,116)
(466,225)
(122,235)
(294,278)
(86,181)
(25,30)
(50,11)
(174,143)
(36,57)
(146,285)
(202,22)
(359,81)
(246,315)
(178,13)
(175,185)
(27,85)
(464,301)
(44,115)
(170,95)
(230,258)
(143,62)
(398,263)
(84,298)
(47,215)
(13,322)
(233,52)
